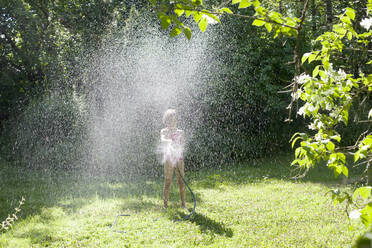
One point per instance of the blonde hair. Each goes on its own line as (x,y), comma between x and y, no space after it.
(170,113)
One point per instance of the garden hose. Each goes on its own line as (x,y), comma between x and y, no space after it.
(183,218)
(113,224)
(193,196)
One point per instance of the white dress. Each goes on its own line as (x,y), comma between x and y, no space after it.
(172,150)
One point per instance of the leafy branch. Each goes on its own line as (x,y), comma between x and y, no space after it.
(170,14)
(296,59)
(8,222)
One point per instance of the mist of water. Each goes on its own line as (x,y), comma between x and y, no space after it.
(132,81)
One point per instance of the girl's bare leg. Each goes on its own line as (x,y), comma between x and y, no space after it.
(168,174)
(181,184)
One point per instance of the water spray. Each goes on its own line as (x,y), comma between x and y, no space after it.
(135,75)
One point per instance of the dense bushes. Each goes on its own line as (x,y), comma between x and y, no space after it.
(243,113)
(48,133)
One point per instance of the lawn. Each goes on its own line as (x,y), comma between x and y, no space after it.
(254,204)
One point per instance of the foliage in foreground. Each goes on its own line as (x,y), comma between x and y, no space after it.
(9,221)
(328,96)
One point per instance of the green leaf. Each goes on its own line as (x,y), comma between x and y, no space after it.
(305,57)
(350,13)
(368,140)
(369,62)
(227,10)
(175,31)
(179,12)
(338,28)
(330,146)
(197,16)
(188,13)
(337,171)
(213,16)
(345,171)
(295,161)
(256,3)
(244,4)
(341,157)
(312,57)
(336,137)
(358,155)
(260,11)
(316,71)
(346,19)
(153,2)
(187,32)
(364,192)
(294,135)
(325,62)
(236,1)
(298,152)
(165,21)
(349,35)
(203,24)
(258,22)
(322,74)
(268,26)
(294,141)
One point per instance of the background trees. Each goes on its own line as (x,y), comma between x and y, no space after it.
(41,43)
(41,40)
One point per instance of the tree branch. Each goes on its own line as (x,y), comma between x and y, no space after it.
(224,4)
(297,59)
(356,49)
(255,18)
(239,15)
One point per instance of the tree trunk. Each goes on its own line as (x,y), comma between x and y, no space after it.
(299,7)
(313,13)
(329,13)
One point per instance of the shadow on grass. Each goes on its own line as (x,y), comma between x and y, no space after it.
(71,191)
(206,224)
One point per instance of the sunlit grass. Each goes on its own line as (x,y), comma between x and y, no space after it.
(249,205)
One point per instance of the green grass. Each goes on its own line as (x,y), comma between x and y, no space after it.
(248,205)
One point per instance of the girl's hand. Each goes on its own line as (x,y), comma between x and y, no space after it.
(165,140)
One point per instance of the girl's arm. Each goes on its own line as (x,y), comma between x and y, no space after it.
(163,139)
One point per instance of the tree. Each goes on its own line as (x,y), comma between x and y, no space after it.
(329,13)
(40,39)
(313,14)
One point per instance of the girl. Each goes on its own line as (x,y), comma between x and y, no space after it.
(172,142)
